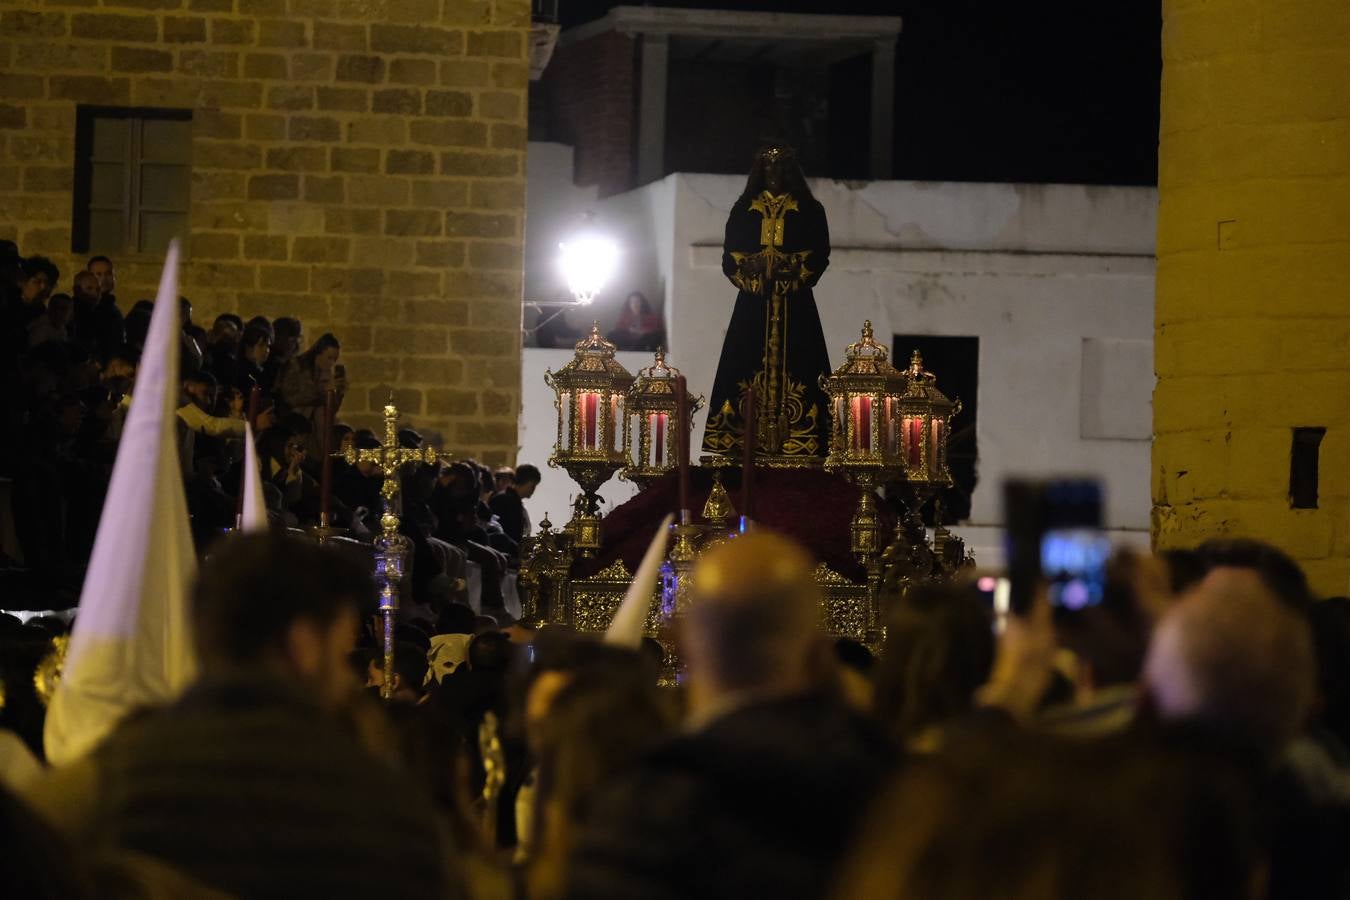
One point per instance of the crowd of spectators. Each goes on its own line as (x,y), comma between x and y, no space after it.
(71,363)
(1186,739)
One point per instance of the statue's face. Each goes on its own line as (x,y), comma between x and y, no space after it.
(773,175)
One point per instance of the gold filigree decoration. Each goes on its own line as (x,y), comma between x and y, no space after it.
(726,428)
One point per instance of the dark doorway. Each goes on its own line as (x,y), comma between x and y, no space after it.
(956,363)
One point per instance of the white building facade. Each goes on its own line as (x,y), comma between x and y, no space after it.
(1056,282)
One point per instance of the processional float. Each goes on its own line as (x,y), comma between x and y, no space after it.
(888,427)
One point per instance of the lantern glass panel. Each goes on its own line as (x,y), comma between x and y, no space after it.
(862,423)
(588,410)
(890,433)
(565,420)
(658,426)
(913,441)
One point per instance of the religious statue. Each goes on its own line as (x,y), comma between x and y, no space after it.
(776,248)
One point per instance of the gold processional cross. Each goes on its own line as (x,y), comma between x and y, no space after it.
(391,547)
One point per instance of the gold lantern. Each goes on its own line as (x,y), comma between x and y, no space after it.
(591,391)
(650,436)
(925,415)
(866,443)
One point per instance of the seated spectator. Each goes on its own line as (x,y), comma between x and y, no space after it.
(196,414)
(759,722)
(639,326)
(97,322)
(53,325)
(286,345)
(102,268)
(305,380)
(264,727)
(254,348)
(222,346)
(358,486)
(137,323)
(508,505)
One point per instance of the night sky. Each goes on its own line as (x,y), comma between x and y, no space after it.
(1041,91)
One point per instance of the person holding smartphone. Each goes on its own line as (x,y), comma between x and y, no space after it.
(305,381)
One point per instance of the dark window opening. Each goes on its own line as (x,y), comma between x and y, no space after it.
(956,363)
(1303,467)
(132,179)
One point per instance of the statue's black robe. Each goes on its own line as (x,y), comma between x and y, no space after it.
(807,359)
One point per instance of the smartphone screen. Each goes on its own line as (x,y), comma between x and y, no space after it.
(1054,536)
(1073,564)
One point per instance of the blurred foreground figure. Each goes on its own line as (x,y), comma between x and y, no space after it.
(254,781)
(1034,818)
(1233,658)
(760,796)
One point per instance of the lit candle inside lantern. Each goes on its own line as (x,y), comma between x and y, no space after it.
(658,433)
(914,441)
(934,444)
(862,424)
(892,433)
(590,403)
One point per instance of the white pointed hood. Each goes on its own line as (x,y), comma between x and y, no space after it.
(254,516)
(131,645)
(631,618)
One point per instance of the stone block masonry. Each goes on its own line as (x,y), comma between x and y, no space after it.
(1253,304)
(358,163)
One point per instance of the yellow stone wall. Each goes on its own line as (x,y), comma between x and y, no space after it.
(359,164)
(1253,304)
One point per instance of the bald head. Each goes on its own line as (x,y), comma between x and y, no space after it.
(754,615)
(1232,655)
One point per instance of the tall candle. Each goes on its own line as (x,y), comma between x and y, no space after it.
(326,482)
(862,424)
(891,430)
(749,442)
(589,404)
(658,431)
(914,439)
(682,441)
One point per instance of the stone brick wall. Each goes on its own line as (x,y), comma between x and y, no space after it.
(356,163)
(1253,304)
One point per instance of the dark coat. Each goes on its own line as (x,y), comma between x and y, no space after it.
(763,802)
(510,511)
(248,786)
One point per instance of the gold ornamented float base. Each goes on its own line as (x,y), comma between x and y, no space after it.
(763,460)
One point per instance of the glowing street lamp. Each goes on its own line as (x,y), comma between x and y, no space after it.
(587,262)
